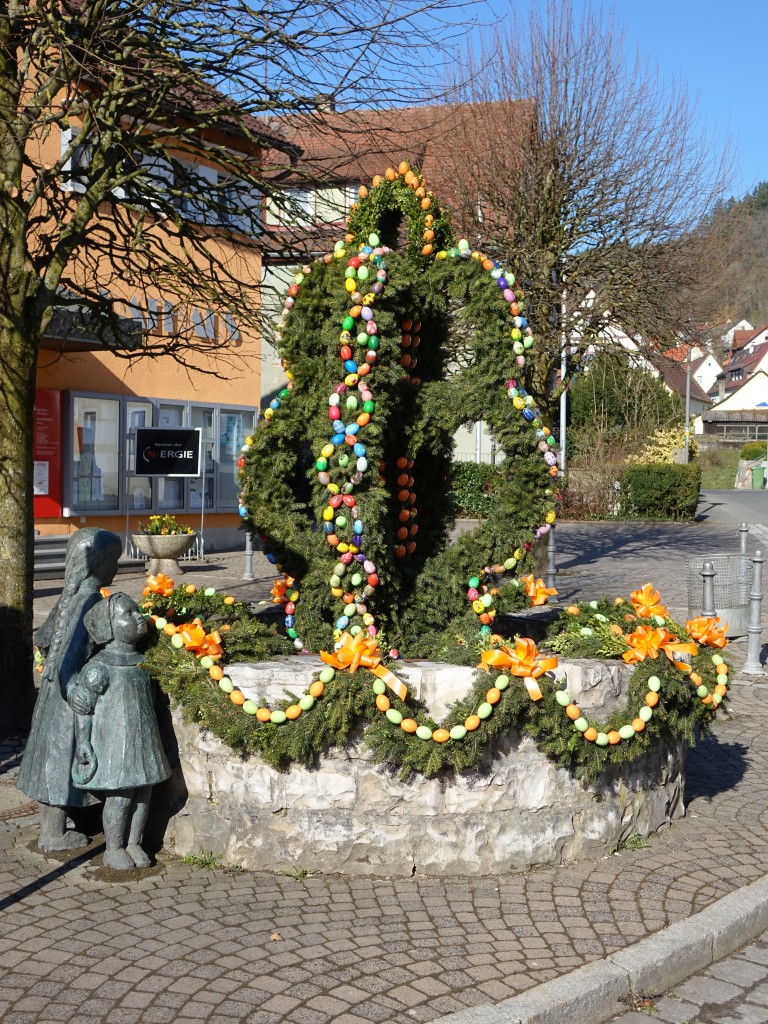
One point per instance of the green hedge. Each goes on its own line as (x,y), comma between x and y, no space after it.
(754,450)
(473,484)
(661,491)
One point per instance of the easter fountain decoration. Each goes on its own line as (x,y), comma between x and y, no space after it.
(390,343)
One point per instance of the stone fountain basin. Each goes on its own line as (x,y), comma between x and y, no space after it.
(353,816)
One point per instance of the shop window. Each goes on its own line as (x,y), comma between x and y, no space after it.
(96,458)
(234,427)
(138,488)
(203,417)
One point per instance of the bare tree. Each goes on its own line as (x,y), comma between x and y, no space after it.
(599,208)
(112,114)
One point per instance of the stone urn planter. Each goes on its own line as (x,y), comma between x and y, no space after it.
(164,550)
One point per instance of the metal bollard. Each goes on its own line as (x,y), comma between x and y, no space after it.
(752,666)
(551,567)
(248,574)
(708,597)
(743,533)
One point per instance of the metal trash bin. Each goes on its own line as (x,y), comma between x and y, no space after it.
(758,477)
(732,585)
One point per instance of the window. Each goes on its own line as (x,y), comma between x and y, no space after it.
(242,207)
(295,208)
(95,455)
(196,185)
(74,175)
(101,476)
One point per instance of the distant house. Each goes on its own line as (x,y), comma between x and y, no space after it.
(674,376)
(740,412)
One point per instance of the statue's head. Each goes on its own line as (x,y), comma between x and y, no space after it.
(92,553)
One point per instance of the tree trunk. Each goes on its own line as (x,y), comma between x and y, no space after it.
(17,395)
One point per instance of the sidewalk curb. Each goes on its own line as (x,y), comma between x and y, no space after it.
(602,989)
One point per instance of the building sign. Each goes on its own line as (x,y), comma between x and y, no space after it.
(165,451)
(46,453)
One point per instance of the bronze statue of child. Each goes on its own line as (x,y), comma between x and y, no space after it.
(119,754)
(91,563)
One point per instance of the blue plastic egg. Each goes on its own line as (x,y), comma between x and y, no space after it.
(359,449)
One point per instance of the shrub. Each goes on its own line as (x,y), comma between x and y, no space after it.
(473,484)
(753,450)
(661,491)
(661,447)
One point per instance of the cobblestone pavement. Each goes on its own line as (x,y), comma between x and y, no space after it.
(180,943)
(732,991)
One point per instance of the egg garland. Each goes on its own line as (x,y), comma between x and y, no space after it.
(354,579)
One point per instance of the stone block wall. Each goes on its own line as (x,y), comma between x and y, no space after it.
(352,816)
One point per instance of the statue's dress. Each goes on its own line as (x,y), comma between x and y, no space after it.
(124,734)
(45,772)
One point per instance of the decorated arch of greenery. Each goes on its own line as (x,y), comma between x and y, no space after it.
(390,343)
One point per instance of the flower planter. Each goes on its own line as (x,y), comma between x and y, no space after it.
(164,550)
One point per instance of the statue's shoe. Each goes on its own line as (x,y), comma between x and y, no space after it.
(137,855)
(118,860)
(67,841)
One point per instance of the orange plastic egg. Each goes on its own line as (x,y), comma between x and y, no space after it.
(317,689)
(613,737)
(390,174)
(638,724)
(590,734)
(441,735)
(409,725)
(573,712)
(471,723)
(216,672)
(292,712)
(382,702)
(263,714)
(493,696)
(651,699)
(237,697)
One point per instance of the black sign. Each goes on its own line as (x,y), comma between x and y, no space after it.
(162,451)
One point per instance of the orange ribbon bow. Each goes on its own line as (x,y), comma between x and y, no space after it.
(193,635)
(536,590)
(279,588)
(160,584)
(354,651)
(707,632)
(647,602)
(524,661)
(646,643)
(211,645)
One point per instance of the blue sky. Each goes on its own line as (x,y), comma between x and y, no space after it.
(719,49)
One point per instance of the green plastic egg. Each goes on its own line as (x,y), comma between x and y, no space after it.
(562,698)
(581,724)
(458,732)
(594,604)
(335,581)
(654,683)
(161,623)
(424,732)
(306,703)
(226,684)
(473,582)
(717,659)
(250,708)
(602,739)
(206,661)
(326,674)
(349,609)
(502,682)
(626,732)
(510,563)
(341,522)
(277,716)
(645,714)
(487,600)
(356,580)
(702,690)
(177,640)
(485,710)
(394,716)
(379,686)
(209,591)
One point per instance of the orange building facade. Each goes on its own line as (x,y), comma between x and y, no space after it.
(90,402)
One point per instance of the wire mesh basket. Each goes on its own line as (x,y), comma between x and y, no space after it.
(732,586)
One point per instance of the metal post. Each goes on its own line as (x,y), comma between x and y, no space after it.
(551,567)
(708,597)
(248,574)
(752,666)
(129,460)
(688,405)
(743,531)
